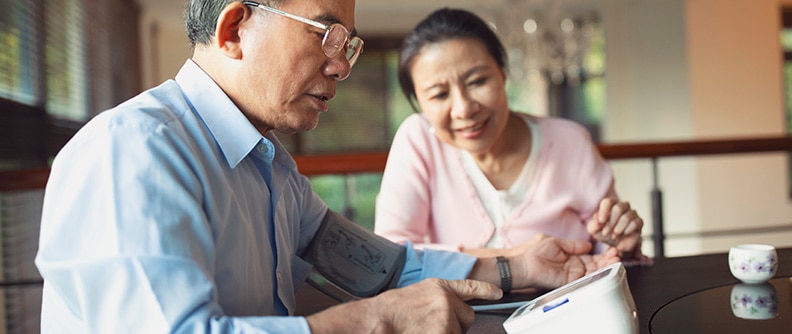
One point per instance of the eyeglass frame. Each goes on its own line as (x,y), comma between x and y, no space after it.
(347,40)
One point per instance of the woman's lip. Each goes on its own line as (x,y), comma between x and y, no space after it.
(468,133)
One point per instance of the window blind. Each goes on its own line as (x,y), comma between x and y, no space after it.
(20,212)
(20,35)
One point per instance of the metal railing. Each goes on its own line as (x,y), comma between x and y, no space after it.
(374,162)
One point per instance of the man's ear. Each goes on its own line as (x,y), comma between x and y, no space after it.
(227,32)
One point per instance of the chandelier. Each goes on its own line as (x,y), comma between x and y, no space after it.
(545,41)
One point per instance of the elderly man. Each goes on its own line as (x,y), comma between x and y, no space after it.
(179,210)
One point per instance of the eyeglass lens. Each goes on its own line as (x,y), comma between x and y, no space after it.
(336,39)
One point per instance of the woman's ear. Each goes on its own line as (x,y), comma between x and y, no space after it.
(229,24)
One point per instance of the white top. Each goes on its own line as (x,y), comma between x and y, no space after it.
(499,203)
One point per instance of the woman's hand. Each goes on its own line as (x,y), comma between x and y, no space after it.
(510,251)
(618,225)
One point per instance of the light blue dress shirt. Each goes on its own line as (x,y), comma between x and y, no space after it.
(172,213)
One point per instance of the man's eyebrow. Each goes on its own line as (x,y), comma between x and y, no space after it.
(327,19)
(330,19)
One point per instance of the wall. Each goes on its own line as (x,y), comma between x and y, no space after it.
(677,70)
(648,100)
(164,44)
(700,69)
(737,90)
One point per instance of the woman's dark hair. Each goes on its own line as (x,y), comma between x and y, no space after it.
(440,26)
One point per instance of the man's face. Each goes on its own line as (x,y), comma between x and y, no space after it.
(289,80)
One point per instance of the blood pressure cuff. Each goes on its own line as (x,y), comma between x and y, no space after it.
(353,258)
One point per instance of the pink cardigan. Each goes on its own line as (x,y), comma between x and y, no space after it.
(427,198)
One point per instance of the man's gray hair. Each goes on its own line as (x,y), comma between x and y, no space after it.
(200,18)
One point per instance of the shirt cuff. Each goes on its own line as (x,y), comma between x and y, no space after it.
(296,325)
(428,263)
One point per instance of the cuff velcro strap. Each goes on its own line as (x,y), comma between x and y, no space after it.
(505,274)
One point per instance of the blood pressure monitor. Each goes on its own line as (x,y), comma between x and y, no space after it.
(600,302)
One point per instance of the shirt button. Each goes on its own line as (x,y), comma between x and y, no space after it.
(261,148)
(278,275)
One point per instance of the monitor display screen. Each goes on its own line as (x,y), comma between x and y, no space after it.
(552,296)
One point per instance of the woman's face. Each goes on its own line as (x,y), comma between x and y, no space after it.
(461,91)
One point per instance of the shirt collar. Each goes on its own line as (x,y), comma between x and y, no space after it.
(234,133)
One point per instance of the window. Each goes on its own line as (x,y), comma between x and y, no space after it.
(65,60)
(557,72)
(44,56)
(58,69)
(19,76)
(61,62)
(583,100)
(366,111)
(363,117)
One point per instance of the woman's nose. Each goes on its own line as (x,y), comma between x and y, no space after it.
(463,106)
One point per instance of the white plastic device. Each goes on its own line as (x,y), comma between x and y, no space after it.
(600,302)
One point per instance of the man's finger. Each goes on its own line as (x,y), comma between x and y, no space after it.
(464,315)
(468,289)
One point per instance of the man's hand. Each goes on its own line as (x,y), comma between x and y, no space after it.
(547,262)
(618,225)
(553,262)
(430,306)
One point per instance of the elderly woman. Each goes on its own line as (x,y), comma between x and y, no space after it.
(468,173)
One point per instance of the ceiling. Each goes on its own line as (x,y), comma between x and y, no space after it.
(377,16)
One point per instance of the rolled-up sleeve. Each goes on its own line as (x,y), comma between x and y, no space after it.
(423,264)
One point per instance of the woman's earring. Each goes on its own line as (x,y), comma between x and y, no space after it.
(431,130)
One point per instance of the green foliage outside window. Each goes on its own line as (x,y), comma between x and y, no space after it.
(364,116)
(353,196)
(17,67)
(65,59)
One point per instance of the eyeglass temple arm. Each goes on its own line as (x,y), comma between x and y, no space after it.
(291,16)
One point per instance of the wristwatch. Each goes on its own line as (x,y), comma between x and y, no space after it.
(505,274)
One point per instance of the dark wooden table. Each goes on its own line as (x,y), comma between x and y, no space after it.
(652,288)
(672,278)
(655,286)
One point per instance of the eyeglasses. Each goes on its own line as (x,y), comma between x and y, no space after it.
(336,35)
